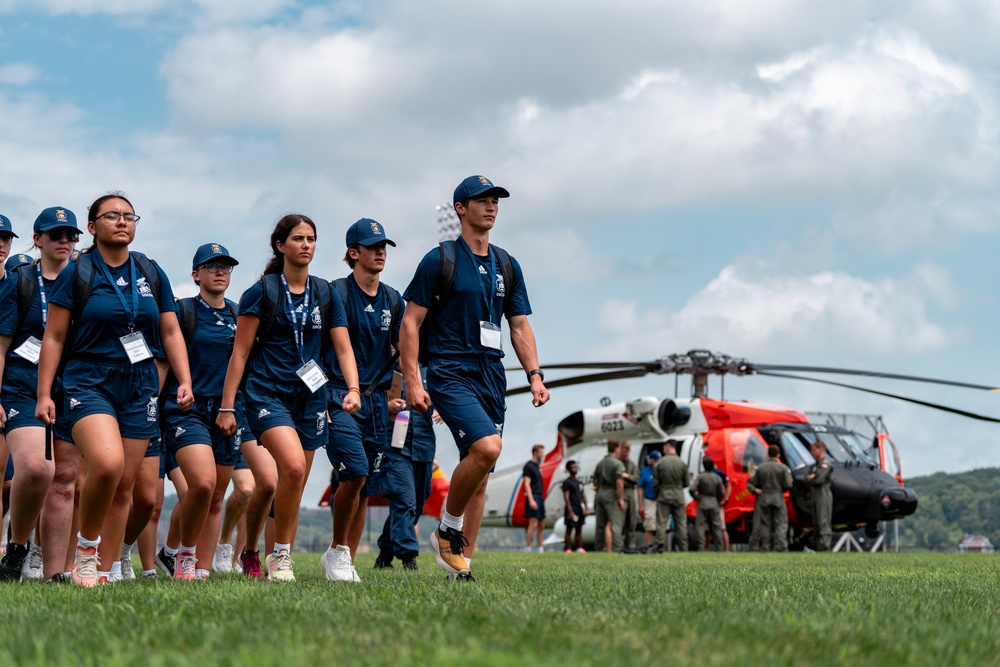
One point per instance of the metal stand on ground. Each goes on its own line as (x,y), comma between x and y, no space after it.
(847,542)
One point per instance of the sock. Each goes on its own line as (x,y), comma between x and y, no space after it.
(83,543)
(454,522)
(168,551)
(68,574)
(116,567)
(201,574)
(468,563)
(126,550)
(103,574)
(149,573)
(187,549)
(279,547)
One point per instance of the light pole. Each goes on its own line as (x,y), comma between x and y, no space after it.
(449,228)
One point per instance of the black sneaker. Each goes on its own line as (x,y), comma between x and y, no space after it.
(13,562)
(58,578)
(465,576)
(165,562)
(410,564)
(383,562)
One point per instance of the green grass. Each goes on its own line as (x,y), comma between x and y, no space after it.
(689,609)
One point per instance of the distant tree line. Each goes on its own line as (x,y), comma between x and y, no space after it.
(950,506)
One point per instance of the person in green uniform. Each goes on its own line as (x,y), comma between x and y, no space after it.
(708,489)
(630,480)
(670,478)
(609,502)
(770,516)
(821,497)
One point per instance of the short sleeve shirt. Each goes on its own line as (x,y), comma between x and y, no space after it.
(533,473)
(475,296)
(9,316)
(372,331)
(208,352)
(575,488)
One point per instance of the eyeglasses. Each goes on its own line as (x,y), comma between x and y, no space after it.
(60,234)
(115,216)
(214,268)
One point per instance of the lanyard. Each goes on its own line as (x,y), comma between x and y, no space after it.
(215,312)
(300,332)
(487,291)
(41,295)
(130,314)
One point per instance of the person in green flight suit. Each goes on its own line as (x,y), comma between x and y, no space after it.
(670,478)
(768,483)
(630,480)
(609,502)
(821,497)
(708,489)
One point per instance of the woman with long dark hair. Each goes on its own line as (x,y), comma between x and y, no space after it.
(110,312)
(277,357)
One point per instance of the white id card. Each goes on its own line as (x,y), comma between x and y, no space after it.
(312,375)
(135,347)
(489,336)
(30,349)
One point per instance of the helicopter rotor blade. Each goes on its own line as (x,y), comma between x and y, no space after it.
(584,379)
(595,365)
(935,406)
(758,368)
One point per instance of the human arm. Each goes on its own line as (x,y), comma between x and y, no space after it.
(176,351)
(526,489)
(569,506)
(246,331)
(523,340)
(341,340)
(620,492)
(752,484)
(409,352)
(53,341)
(5,342)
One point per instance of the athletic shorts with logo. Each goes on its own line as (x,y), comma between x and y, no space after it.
(270,405)
(127,392)
(196,426)
(357,443)
(469,395)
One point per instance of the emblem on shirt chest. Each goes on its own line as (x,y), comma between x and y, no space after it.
(386,319)
(144,289)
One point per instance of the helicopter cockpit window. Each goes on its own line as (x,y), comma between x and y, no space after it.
(748,451)
(835,448)
(853,442)
(796,454)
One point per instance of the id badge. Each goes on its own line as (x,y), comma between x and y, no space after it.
(489,336)
(135,347)
(30,349)
(312,375)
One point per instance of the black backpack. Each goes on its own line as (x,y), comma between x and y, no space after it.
(26,289)
(447,269)
(272,299)
(187,316)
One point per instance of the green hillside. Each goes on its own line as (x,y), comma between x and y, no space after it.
(952,505)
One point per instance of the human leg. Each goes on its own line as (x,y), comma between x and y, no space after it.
(57,511)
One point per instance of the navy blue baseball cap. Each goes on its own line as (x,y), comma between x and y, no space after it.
(212,252)
(367,232)
(655,455)
(474,186)
(14,261)
(56,217)
(6,227)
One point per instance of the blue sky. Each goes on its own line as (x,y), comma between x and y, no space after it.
(793,182)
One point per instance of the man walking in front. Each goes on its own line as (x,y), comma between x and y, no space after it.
(462,345)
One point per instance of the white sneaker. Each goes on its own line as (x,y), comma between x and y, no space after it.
(115,577)
(541,550)
(223,560)
(337,564)
(32,568)
(279,567)
(128,574)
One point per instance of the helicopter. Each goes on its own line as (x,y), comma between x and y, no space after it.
(867,482)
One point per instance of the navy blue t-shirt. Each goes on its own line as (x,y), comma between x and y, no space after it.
(208,353)
(455,330)
(369,322)
(279,356)
(32,325)
(104,319)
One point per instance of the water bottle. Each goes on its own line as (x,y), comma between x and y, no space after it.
(399,429)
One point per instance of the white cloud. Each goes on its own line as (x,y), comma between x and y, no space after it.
(751,310)
(18,74)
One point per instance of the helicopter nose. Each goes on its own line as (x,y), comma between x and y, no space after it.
(897,502)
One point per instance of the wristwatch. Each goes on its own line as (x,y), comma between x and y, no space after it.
(537,372)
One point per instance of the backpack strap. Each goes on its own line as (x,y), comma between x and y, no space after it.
(395,307)
(340,284)
(187,316)
(447,268)
(268,309)
(324,299)
(507,271)
(148,269)
(26,290)
(83,282)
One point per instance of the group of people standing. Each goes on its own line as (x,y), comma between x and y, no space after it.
(100,361)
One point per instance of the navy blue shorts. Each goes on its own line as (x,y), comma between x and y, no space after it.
(535,514)
(20,383)
(355,439)
(127,392)
(196,426)
(168,463)
(469,395)
(578,511)
(154,447)
(269,406)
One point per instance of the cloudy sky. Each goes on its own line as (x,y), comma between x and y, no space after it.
(792,182)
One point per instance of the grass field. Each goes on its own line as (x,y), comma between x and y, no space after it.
(531,609)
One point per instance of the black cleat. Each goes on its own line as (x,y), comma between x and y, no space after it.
(58,578)
(165,562)
(13,562)
(410,564)
(383,562)
(465,576)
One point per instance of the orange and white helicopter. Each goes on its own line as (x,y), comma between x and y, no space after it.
(867,480)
